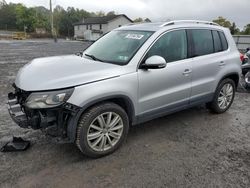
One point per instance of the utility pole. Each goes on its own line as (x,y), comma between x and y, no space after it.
(51,22)
(51,16)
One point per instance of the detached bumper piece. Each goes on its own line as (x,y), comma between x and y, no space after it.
(17,144)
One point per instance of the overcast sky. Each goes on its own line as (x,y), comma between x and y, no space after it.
(160,10)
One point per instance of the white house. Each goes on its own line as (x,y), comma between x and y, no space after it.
(94,27)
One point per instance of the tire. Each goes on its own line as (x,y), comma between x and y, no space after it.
(216,105)
(96,134)
(247,80)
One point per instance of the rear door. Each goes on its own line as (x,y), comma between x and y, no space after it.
(208,60)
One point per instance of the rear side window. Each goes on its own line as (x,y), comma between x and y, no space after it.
(217,42)
(202,42)
(223,41)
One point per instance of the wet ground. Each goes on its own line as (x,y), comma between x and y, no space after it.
(192,148)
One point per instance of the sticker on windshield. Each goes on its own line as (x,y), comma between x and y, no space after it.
(134,36)
(123,58)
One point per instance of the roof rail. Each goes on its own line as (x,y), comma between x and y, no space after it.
(129,24)
(188,21)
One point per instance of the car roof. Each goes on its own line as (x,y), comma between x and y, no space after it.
(170,25)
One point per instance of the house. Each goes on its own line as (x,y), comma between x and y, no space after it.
(94,27)
(147,20)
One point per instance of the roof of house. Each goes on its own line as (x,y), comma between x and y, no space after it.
(101,20)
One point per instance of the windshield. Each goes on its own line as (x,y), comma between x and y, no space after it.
(117,47)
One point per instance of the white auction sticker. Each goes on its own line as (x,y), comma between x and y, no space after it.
(134,36)
(123,58)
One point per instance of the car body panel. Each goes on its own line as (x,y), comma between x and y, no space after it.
(208,70)
(64,71)
(164,87)
(125,85)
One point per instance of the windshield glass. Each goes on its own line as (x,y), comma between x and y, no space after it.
(117,47)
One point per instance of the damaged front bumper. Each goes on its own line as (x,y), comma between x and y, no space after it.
(53,121)
(19,117)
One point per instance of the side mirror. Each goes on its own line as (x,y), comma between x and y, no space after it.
(154,62)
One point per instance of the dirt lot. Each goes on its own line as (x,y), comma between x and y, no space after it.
(192,148)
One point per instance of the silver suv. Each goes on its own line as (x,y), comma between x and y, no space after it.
(129,76)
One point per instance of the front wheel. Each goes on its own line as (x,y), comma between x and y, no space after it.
(223,97)
(102,129)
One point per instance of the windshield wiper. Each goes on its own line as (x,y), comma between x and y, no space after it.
(93,57)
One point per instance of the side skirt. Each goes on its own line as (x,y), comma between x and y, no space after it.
(195,101)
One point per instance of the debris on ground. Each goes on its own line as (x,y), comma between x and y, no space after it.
(17,144)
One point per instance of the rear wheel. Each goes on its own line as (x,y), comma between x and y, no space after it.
(223,97)
(102,129)
(247,80)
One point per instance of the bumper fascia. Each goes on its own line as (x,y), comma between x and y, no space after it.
(53,121)
(19,117)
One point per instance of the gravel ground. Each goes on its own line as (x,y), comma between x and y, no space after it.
(192,148)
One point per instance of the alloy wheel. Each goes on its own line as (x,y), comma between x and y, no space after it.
(225,96)
(105,131)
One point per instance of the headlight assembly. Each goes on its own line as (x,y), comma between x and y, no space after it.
(48,99)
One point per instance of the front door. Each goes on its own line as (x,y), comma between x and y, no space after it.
(167,89)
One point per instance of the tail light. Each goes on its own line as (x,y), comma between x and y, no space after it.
(241,57)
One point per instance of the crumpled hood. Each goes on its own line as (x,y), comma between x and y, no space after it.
(63,71)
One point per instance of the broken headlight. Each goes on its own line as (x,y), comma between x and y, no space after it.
(38,100)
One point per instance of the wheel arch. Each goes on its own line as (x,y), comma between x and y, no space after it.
(124,101)
(233,76)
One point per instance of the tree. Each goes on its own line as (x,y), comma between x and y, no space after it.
(100,13)
(58,15)
(20,17)
(25,18)
(246,30)
(223,22)
(111,13)
(234,30)
(138,20)
(2,2)
(42,18)
(8,16)
(226,23)
(64,19)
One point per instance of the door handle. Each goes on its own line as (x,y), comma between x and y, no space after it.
(187,72)
(222,63)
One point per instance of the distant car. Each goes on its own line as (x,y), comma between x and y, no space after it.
(131,75)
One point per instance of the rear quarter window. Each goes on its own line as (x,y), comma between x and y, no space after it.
(217,42)
(223,41)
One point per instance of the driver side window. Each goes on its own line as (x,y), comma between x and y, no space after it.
(172,46)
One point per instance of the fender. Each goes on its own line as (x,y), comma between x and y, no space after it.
(230,75)
(73,122)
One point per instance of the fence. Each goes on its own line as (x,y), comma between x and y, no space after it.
(242,41)
(19,35)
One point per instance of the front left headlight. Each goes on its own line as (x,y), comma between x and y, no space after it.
(51,99)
